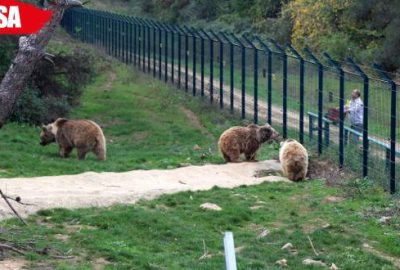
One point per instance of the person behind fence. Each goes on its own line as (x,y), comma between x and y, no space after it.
(356,112)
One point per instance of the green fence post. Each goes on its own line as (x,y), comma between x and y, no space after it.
(269,78)
(232,70)
(255,52)
(194,34)
(221,69)
(243,53)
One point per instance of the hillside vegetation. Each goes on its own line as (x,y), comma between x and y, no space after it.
(363,29)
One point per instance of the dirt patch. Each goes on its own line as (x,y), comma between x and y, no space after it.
(140,135)
(13,264)
(112,76)
(333,199)
(77,228)
(266,173)
(100,264)
(395,261)
(94,189)
(327,170)
(195,121)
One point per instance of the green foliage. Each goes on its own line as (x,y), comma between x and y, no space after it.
(54,88)
(7,47)
(364,29)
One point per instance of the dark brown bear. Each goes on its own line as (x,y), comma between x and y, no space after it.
(85,135)
(245,140)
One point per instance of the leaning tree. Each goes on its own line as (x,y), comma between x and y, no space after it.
(31,51)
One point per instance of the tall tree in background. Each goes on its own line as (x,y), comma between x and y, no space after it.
(31,51)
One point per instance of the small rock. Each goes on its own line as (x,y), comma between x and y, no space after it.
(314,263)
(287,246)
(197,147)
(263,233)
(334,267)
(256,207)
(384,220)
(210,206)
(326,226)
(282,263)
(333,199)
(184,165)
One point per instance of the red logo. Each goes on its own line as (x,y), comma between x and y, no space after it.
(17,18)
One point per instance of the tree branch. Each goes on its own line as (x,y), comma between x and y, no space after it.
(31,51)
(12,208)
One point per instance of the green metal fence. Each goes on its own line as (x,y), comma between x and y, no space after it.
(264,81)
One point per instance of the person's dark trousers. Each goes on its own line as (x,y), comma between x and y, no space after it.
(359,128)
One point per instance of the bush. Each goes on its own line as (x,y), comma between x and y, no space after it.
(30,107)
(54,88)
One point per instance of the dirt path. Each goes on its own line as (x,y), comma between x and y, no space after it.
(104,189)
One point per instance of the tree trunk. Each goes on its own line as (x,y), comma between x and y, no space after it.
(31,51)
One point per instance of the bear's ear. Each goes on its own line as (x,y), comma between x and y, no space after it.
(61,121)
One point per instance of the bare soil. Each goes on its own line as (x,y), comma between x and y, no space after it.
(105,189)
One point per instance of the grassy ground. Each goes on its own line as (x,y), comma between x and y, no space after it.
(172,232)
(147,125)
(150,125)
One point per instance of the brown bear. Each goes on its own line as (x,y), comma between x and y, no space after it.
(294,160)
(245,140)
(85,135)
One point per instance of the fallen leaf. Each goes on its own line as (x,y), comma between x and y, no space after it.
(287,246)
(196,148)
(384,220)
(282,263)
(210,206)
(334,267)
(314,263)
(263,233)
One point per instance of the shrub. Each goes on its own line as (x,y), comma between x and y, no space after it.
(54,88)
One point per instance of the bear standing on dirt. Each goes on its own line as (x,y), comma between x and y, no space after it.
(245,140)
(85,135)
(294,160)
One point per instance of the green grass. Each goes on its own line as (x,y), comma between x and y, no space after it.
(168,233)
(144,123)
(146,127)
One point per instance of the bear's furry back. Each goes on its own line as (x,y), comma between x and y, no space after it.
(243,137)
(81,133)
(294,160)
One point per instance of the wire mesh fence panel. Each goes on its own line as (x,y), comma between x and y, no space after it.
(379,131)
(293,97)
(277,91)
(217,71)
(263,86)
(311,104)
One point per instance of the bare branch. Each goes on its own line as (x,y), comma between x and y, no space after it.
(12,208)
(8,247)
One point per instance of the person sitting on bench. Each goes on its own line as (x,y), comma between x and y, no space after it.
(356,111)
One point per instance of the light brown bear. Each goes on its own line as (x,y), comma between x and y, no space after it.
(245,140)
(294,160)
(85,135)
